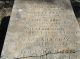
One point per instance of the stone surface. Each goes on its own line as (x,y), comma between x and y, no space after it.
(42,29)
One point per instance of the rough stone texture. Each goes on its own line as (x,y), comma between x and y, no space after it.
(42,29)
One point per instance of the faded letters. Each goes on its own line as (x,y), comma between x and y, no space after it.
(42,29)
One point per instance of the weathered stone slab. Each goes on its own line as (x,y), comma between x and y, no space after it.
(42,29)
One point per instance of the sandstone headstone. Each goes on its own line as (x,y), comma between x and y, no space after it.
(42,29)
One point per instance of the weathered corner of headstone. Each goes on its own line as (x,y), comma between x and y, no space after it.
(42,29)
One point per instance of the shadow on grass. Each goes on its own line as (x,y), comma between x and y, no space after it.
(3,30)
(76,8)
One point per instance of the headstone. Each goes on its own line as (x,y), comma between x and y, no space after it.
(42,29)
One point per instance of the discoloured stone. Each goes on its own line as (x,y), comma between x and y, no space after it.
(42,30)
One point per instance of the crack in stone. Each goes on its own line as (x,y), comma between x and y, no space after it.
(63,51)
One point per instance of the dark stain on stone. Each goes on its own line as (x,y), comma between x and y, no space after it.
(70,51)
